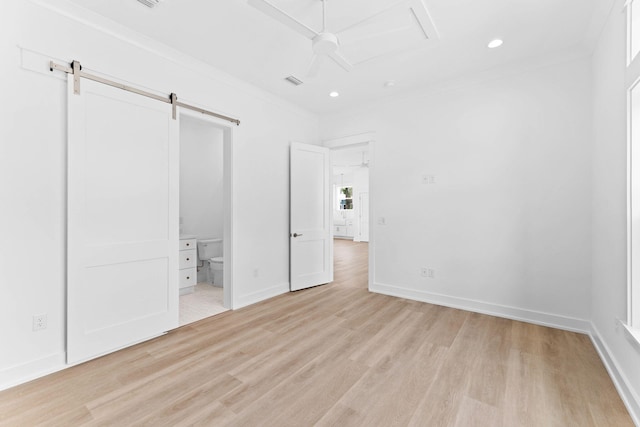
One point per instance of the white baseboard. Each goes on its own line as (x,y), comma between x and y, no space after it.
(530,316)
(29,371)
(20,374)
(630,399)
(262,295)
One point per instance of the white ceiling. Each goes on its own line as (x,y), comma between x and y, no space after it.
(244,42)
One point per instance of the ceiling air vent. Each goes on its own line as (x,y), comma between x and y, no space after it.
(150,3)
(294,81)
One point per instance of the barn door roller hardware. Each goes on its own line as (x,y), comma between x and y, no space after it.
(76,69)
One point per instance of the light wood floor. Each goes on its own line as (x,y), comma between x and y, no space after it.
(334,355)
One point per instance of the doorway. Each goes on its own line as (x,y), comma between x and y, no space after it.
(351,227)
(204,216)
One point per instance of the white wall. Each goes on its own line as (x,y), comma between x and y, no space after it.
(201,179)
(609,293)
(33,168)
(507,225)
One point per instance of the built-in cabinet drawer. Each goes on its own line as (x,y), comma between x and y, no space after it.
(187,265)
(187,244)
(187,259)
(187,277)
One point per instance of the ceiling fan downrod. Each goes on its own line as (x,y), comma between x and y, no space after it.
(324,16)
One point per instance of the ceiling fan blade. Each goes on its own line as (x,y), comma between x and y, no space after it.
(359,165)
(267,8)
(368,18)
(424,19)
(417,9)
(315,66)
(341,61)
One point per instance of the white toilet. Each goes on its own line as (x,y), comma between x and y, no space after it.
(210,250)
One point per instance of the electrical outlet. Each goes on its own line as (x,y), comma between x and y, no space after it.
(39,322)
(428,272)
(256,272)
(428,179)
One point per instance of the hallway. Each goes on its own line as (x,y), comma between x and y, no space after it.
(351,262)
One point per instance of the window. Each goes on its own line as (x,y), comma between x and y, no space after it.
(633,19)
(634,202)
(633,167)
(344,198)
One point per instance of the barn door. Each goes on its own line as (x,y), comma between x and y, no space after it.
(122,220)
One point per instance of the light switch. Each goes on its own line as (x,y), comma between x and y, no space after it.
(428,179)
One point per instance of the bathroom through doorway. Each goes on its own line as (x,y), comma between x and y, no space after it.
(205,212)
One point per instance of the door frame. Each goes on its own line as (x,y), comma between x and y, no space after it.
(362,139)
(228,199)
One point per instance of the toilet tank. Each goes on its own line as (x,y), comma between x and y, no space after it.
(209,248)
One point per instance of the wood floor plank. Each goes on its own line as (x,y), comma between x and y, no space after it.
(305,396)
(278,367)
(211,414)
(340,415)
(473,413)
(173,413)
(405,376)
(148,396)
(489,371)
(527,397)
(334,355)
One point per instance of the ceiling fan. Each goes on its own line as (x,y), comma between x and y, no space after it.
(324,43)
(363,164)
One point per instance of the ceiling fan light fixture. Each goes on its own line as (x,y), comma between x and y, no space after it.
(334,94)
(495,43)
(325,43)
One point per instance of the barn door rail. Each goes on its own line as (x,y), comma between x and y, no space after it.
(76,69)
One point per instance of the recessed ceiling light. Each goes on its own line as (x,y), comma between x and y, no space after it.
(495,43)
(389,83)
(334,94)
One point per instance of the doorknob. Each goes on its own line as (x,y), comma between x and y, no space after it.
(296,235)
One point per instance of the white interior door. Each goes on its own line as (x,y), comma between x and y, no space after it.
(310,235)
(122,220)
(364,218)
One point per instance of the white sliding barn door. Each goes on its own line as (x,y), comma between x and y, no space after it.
(122,220)
(310,236)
